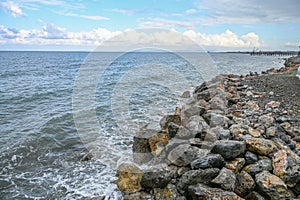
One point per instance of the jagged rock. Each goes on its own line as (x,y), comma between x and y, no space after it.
(157,142)
(129,178)
(192,177)
(184,133)
(166,120)
(172,129)
(184,154)
(192,111)
(254,132)
(209,93)
(221,133)
(250,157)
(168,193)
(141,148)
(197,142)
(157,176)
(266,120)
(261,165)
(244,184)
(287,167)
(209,161)
(218,103)
(186,94)
(229,149)
(208,135)
(238,130)
(254,196)
(216,119)
(201,191)
(139,196)
(196,124)
(225,179)
(272,186)
(235,165)
(273,104)
(260,146)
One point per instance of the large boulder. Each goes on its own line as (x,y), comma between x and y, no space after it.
(226,179)
(208,161)
(272,186)
(244,184)
(201,191)
(260,146)
(229,149)
(157,176)
(129,178)
(262,165)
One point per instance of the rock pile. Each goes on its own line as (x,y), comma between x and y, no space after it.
(223,144)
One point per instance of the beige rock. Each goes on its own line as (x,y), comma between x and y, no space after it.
(254,133)
(261,146)
(129,178)
(236,165)
(280,163)
(157,141)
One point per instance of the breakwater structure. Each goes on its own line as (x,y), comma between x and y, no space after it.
(273,53)
(228,141)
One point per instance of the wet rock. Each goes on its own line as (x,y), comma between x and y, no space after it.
(141,148)
(229,149)
(261,165)
(157,176)
(225,179)
(196,176)
(157,142)
(260,146)
(272,186)
(244,184)
(194,110)
(221,133)
(235,165)
(209,161)
(166,120)
(184,154)
(186,94)
(129,178)
(250,158)
(266,120)
(201,191)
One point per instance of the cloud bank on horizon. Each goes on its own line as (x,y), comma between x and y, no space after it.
(215,25)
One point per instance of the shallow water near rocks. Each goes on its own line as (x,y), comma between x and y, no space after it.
(40,146)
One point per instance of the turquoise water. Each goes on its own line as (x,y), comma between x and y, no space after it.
(40,145)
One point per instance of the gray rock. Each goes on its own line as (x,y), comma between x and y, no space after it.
(141,148)
(201,191)
(218,103)
(272,186)
(196,124)
(226,179)
(157,177)
(196,176)
(229,149)
(172,129)
(184,133)
(266,120)
(244,184)
(216,119)
(194,110)
(254,196)
(184,154)
(209,161)
(250,158)
(261,165)
(221,133)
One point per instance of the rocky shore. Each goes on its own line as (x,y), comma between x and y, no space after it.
(237,137)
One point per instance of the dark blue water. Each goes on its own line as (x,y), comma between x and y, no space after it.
(40,146)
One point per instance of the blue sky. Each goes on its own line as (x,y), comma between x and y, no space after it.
(216,25)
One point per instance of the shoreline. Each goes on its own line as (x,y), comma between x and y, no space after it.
(237,137)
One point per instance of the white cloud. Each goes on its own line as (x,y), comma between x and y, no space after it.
(90,17)
(54,35)
(123,11)
(190,11)
(12,8)
(250,11)
(226,39)
(166,23)
(292,44)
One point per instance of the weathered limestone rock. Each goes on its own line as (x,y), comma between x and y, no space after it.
(168,193)
(238,130)
(192,111)
(226,179)
(129,178)
(157,176)
(266,120)
(196,124)
(222,134)
(196,176)
(260,146)
(244,184)
(208,161)
(272,185)
(216,119)
(184,154)
(166,120)
(229,149)
(261,165)
(254,132)
(157,141)
(201,191)
(235,165)
(218,103)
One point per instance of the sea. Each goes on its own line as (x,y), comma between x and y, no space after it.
(56,107)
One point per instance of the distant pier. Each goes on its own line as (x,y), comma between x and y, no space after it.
(274,53)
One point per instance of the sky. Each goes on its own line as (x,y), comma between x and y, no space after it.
(217,25)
